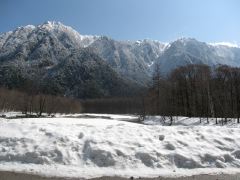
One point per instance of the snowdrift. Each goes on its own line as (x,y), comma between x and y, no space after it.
(91,147)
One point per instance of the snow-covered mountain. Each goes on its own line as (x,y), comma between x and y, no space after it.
(190,51)
(51,42)
(47,46)
(129,58)
(57,58)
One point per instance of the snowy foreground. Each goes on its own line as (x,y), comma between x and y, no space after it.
(108,145)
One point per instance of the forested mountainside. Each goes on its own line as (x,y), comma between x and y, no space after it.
(58,60)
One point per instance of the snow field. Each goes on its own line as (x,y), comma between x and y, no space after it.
(89,147)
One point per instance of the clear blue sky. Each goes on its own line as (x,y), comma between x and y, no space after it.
(164,20)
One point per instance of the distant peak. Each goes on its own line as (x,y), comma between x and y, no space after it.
(148,41)
(30,26)
(52,23)
(228,44)
(185,39)
(58,26)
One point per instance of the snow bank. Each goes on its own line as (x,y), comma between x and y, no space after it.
(90,147)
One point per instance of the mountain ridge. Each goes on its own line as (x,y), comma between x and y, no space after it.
(51,44)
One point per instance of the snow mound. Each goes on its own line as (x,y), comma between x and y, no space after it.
(147,159)
(80,146)
(99,157)
(182,161)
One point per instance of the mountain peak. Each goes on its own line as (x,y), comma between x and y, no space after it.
(52,23)
(185,40)
(226,44)
(55,25)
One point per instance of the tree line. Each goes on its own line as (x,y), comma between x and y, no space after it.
(196,91)
(192,91)
(35,104)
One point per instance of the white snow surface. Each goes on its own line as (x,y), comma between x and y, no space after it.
(108,145)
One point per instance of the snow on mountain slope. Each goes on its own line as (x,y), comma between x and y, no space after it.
(51,42)
(30,32)
(228,44)
(79,147)
(186,51)
(59,56)
(130,58)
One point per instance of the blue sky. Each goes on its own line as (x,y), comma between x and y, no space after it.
(164,20)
